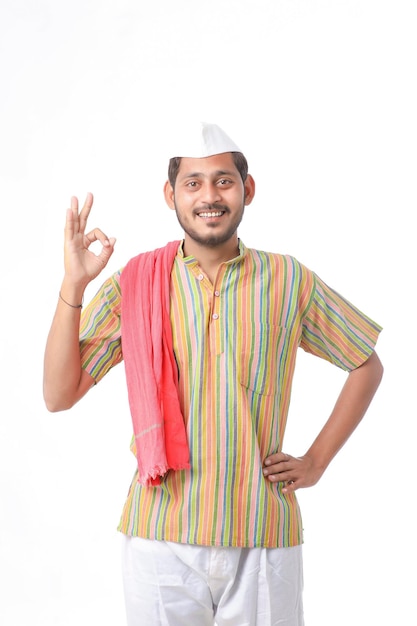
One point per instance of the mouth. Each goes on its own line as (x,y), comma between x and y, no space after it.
(210,214)
(211,211)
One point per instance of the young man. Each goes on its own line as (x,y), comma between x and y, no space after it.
(209,330)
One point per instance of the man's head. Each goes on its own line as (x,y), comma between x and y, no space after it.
(209,186)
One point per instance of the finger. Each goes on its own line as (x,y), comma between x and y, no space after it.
(277,475)
(278,457)
(289,486)
(107,244)
(107,251)
(278,467)
(72,217)
(85,211)
(97,235)
(69,224)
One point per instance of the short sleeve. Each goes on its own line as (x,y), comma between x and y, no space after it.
(100,330)
(335,330)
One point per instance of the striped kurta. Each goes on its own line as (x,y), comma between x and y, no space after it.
(235,344)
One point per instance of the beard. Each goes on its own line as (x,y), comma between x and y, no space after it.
(218,234)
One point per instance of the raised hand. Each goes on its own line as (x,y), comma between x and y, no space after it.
(81,264)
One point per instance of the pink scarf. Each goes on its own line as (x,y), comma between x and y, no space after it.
(151,370)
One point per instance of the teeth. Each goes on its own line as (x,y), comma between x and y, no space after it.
(211,214)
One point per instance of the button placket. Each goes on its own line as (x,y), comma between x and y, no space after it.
(215,305)
(216,326)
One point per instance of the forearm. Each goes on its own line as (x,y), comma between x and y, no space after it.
(351,406)
(63,383)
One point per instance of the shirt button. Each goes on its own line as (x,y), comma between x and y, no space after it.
(215,316)
(200,276)
(217,293)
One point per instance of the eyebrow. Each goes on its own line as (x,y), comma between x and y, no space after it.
(217,173)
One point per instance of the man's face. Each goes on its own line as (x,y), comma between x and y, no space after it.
(209,198)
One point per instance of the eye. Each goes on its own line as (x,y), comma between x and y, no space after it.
(224,181)
(192,184)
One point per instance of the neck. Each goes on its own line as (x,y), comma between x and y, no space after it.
(210,257)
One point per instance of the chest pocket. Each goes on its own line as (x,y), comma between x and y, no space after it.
(261,358)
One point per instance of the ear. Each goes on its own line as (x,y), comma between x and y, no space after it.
(249,187)
(169,195)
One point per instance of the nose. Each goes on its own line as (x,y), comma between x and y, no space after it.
(210,193)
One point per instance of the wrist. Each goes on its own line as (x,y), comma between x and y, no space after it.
(73,306)
(317,459)
(72,294)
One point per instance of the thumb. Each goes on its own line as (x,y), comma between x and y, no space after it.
(107,250)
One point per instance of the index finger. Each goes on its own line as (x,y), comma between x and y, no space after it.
(277,457)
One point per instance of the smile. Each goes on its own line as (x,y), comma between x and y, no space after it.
(208,214)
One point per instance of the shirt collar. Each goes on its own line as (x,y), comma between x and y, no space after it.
(191,260)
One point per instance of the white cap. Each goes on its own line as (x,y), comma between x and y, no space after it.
(201,140)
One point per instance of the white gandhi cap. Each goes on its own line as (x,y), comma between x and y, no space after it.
(201,140)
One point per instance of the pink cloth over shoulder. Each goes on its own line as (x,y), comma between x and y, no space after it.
(151,370)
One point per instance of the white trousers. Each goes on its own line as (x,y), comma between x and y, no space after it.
(171,584)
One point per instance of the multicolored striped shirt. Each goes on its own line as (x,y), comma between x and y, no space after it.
(235,344)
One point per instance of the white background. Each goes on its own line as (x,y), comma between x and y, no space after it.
(321,96)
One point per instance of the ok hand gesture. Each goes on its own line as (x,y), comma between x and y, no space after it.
(81,264)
